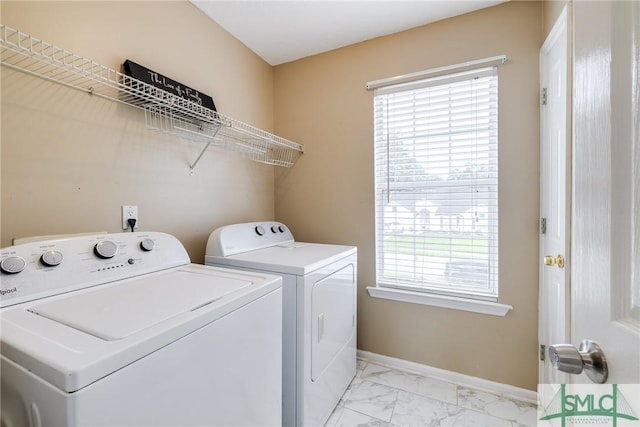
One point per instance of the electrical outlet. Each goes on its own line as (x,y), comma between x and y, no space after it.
(129,212)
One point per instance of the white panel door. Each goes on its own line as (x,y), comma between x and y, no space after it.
(555,156)
(606,201)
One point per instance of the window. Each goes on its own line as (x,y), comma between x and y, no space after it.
(436,183)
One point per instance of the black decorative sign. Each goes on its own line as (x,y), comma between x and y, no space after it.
(165,83)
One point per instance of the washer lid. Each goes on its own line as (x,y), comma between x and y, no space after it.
(75,339)
(117,312)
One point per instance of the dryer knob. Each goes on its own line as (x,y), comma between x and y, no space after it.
(105,249)
(260,230)
(51,258)
(281,228)
(274,229)
(147,245)
(13,264)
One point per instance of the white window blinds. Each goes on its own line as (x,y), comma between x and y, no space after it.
(436,165)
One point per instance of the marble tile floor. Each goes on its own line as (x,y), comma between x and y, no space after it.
(382,396)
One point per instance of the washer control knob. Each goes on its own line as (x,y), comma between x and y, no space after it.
(281,228)
(51,258)
(147,245)
(274,229)
(13,264)
(260,230)
(105,249)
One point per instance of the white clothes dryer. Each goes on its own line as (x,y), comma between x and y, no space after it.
(319,311)
(122,330)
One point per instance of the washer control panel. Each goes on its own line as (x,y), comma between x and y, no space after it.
(245,237)
(40,269)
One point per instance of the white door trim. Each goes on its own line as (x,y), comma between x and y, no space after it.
(555,191)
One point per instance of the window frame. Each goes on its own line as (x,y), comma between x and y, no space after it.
(403,290)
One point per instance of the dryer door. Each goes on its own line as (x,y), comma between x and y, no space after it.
(332,315)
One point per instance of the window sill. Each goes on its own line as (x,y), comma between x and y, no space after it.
(464,304)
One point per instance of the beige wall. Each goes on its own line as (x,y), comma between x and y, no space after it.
(328,195)
(69,160)
(551,10)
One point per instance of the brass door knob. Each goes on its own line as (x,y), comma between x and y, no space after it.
(550,260)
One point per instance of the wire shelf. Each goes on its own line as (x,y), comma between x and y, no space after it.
(164,111)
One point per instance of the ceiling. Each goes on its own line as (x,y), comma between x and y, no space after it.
(283,31)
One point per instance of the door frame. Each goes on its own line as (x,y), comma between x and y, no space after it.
(563,24)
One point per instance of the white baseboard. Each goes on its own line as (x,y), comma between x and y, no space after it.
(513,392)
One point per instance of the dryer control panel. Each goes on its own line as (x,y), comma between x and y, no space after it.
(249,236)
(39,269)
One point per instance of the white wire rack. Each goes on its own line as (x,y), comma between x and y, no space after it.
(164,111)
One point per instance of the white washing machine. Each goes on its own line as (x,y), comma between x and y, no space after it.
(319,311)
(121,330)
